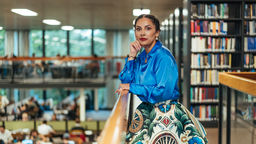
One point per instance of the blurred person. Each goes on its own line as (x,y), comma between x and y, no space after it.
(25,116)
(3,103)
(78,125)
(34,136)
(5,135)
(33,109)
(45,130)
(94,67)
(66,139)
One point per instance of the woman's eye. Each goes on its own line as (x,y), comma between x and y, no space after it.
(138,29)
(148,28)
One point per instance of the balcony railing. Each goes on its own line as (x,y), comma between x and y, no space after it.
(38,70)
(115,128)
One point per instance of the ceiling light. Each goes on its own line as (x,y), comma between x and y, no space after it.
(177,12)
(1,28)
(24,12)
(137,12)
(185,12)
(68,28)
(166,21)
(51,22)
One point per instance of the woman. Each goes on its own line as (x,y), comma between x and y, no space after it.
(153,77)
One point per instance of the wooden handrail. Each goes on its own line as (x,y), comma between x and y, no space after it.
(116,125)
(242,81)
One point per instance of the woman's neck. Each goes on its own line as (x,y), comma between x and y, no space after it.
(149,47)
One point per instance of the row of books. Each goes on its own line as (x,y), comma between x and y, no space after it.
(249,61)
(250,27)
(208,44)
(250,44)
(208,27)
(211,60)
(203,94)
(203,112)
(250,10)
(210,10)
(205,77)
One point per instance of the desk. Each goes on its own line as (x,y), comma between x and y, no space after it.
(237,108)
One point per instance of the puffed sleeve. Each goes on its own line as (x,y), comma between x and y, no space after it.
(127,74)
(166,75)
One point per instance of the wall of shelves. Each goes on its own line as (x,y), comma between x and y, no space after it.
(214,45)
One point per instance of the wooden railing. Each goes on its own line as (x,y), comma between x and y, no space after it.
(116,126)
(242,81)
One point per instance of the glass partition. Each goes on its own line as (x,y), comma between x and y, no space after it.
(80,42)
(238,117)
(55,43)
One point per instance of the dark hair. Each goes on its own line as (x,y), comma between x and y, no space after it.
(44,121)
(154,20)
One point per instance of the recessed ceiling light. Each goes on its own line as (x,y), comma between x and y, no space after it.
(177,12)
(137,12)
(24,12)
(68,28)
(1,28)
(51,22)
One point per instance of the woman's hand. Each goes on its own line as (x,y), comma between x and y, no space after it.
(123,89)
(134,48)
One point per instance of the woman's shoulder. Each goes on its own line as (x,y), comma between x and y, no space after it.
(164,52)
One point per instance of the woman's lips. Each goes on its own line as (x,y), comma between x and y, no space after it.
(143,39)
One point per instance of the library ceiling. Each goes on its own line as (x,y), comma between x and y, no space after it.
(106,14)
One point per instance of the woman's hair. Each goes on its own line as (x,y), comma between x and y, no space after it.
(154,20)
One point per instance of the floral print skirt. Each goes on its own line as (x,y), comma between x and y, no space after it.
(168,122)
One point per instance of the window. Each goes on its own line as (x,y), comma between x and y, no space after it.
(37,93)
(55,43)
(57,95)
(80,42)
(131,35)
(99,41)
(2,33)
(36,45)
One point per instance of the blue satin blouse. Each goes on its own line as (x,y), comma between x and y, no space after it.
(154,81)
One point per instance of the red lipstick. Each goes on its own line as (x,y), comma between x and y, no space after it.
(143,39)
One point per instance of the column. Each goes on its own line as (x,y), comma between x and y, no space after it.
(82,105)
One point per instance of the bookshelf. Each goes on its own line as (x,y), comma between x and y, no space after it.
(215,44)
(249,32)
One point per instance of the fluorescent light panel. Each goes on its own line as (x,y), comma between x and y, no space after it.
(67,27)
(1,28)
(24,12)
(51,22)
(137,12)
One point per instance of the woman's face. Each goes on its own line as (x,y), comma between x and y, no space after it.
(145,32)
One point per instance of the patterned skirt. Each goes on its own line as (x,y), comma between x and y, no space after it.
(164,123)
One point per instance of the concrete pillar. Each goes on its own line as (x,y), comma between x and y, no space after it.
(96,101)
(82,105)
(9,42)
(23,49)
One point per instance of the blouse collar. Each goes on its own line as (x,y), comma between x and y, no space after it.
(151,53)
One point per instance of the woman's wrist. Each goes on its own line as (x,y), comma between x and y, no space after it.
(131,57)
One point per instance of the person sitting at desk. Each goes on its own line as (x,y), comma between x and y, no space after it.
(5,135)
(77,131)
(45,131)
